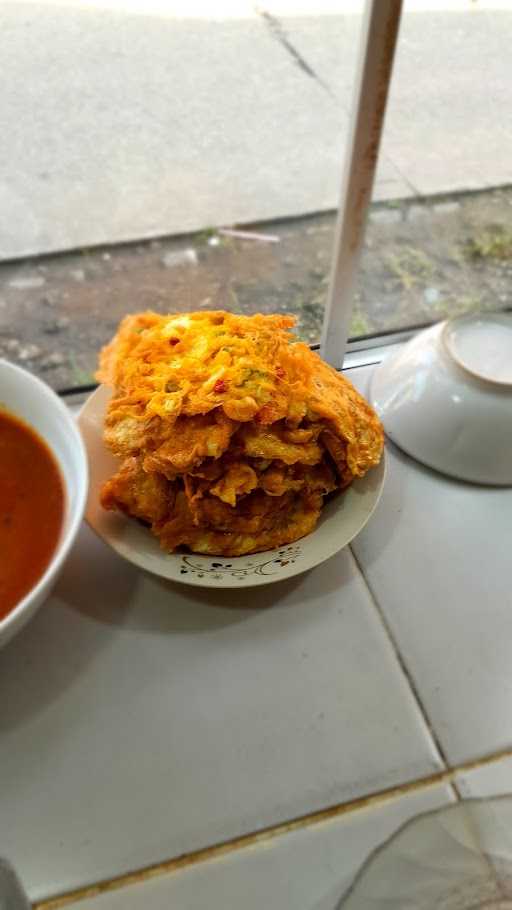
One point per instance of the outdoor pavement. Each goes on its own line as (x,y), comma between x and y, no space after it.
(125,120)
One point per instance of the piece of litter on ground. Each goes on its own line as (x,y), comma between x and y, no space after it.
(431,295)
(249,235)
(174,258)
(29,352)
(25,284)
(445,208)
(53,328)
(52,361)
(417,211)
(386,216)
(77,274)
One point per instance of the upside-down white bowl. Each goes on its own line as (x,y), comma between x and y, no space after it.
(29,399)
(446,398)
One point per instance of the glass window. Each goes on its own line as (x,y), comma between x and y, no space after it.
(171,156)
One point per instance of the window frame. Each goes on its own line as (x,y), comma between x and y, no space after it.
(381,22)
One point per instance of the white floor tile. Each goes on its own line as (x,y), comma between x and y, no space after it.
(141,720)
(494,779)
(437,556)
(309,869)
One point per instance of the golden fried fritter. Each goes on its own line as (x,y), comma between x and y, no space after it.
(246,535)
(249,366)
(193,439)
(280,478)
(238,480)
(269,443)
(149,497)
(238,430)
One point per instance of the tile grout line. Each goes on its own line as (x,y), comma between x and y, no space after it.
(403,666)
(224,848)
(408,675)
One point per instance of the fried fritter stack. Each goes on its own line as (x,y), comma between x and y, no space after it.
(231,431)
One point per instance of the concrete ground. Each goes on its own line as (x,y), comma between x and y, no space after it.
(129,119)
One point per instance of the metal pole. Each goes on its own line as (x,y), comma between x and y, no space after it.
(378,42)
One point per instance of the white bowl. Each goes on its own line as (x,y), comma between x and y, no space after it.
(25,396)
(341,520)
(446,398)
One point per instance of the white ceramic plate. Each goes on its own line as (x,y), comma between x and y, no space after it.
(341,520)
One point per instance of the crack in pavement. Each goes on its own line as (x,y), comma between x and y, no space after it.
(278,32)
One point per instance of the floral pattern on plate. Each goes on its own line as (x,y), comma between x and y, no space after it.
(218,569)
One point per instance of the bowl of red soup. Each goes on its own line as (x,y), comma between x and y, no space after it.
(43,487)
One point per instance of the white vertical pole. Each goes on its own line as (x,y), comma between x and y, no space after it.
(378,41)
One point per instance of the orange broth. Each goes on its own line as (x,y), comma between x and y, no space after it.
(32,503)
